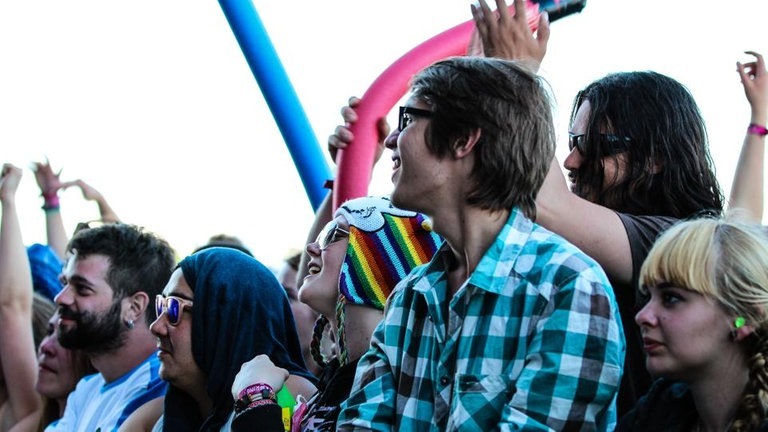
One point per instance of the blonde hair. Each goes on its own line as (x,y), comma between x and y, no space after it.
(725,260)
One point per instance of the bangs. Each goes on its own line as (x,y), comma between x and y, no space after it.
(683,257)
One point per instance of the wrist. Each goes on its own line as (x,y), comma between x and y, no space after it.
(757,129)
(255,395)
(50,201)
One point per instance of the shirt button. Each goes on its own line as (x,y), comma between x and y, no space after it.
(444,380)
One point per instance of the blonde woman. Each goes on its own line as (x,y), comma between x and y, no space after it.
(705,329)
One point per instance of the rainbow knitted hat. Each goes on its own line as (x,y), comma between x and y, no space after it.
(385,244)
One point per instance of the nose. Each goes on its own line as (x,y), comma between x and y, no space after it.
(313,249)
(646,317)
(159,326)
(64,297)
(574,160)
(390,141)
(47,345)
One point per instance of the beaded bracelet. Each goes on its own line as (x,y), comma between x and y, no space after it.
(756,129)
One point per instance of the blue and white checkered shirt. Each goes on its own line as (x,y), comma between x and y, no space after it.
(532,341)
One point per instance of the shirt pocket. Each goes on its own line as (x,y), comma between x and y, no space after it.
(478,401)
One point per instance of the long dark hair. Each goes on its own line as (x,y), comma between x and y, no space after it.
(669,171)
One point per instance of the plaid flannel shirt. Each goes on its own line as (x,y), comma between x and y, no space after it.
(531,341)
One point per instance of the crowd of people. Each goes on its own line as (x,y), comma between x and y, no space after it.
(489,291)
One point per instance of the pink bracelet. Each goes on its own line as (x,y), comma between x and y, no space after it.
(50,202)
(756,129)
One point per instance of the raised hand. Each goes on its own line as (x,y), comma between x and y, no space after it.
(342,135)
(755,81)
(260,369)
(47,180)
(9,182)
(509,36)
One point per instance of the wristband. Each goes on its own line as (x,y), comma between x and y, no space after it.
(756,129)
(50,202)
(252,394)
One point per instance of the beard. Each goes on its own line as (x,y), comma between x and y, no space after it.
(93,333)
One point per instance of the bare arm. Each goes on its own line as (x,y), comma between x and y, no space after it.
(106,213)
(322,216)
(596,230)
(17,349)
(748,181)
(49,184)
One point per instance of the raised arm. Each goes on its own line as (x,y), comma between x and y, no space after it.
(17,348)
(49,184)
(597,230)
(106,213)
(747,188)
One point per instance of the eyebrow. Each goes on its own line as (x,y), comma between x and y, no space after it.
(80,280)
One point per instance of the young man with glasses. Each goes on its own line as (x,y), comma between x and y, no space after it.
(110,281)
(639,162)
(509,325)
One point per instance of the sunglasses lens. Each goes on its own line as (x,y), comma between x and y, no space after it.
(173,307)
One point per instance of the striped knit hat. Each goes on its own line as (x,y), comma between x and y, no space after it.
(385,244)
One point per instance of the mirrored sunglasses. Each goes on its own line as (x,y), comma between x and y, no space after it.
(172,306)
(331,233)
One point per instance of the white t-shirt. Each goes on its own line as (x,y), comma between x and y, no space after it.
(95,406)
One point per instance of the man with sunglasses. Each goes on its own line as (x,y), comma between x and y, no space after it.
(110,281)
(509,326)
(638,162)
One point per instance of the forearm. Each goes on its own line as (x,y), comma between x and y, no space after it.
(15,272)
(56,233)
(747,189)
(17,350)
(322,216)
(106,211)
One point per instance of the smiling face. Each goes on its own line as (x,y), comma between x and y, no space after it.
(417,173)
(320,289)
(90,315)
(685,334)
(177,364)
(56,376)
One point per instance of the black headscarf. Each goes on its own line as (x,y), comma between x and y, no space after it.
(240,310)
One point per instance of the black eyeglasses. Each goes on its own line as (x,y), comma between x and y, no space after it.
(331,233)
(406,116)
(172,306)
(610,144)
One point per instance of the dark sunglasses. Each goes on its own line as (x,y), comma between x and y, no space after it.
(406,116)
(331,233)
(610,144)
(172,306)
